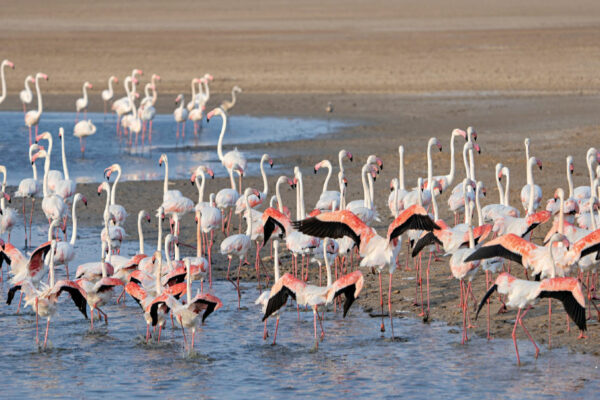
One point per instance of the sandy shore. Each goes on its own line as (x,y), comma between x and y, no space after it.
(402,71)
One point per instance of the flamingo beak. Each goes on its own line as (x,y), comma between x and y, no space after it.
(84,200)
(271,162)
(571,169)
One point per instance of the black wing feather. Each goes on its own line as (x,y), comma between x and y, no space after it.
(572,307)
(427,239)
(348,293)
(529,229)
(78,299)
(278,301)
(209,307)
(416,222)
(11,293)
(269,227)
(484,299)
(590,249)
(486,252)
(326,229)
(154,311)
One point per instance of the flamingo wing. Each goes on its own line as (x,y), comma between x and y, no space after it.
(333,225)
(588,244)
(575,310)
(207,303)
(11,293)
(425,240)
(269,227)
(413,218)
(76,293)
(509,246)
(36,261)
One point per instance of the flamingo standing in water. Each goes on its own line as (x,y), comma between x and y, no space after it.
(111,233)
(82,130)
(148,112)
(53,206)
(8,219)
(108,94)
(66,187)
(32,118)
(232,160)
(173,201)
(4,64)
(44,301)
(82,102)
(180,114)
(29,188)
(117,211)
(122,106)
(26,95)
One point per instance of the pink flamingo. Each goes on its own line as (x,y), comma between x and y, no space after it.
(108,94)
(180,114)
(26,95)
(82,102)
(32,118)
(29,188)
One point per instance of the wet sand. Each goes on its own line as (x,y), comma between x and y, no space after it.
(404,73)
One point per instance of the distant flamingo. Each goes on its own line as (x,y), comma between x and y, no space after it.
(117,211)
(122,106)
(8,219)
(26,95)
(82,102)
(82,130)
(180,114)
(32,118)
(227,105)
(66,187)
(4,64)
(173,201)
(65,251)
(108,94)
(147,114)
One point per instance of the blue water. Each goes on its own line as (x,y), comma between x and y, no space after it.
(232,360)
(141,162)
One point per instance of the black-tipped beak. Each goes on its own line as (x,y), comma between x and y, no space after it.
(540,167)
(315,170)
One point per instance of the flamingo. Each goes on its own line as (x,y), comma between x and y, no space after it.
(571,205)
(4,64)
(132,121)
(194,99)
(44,302)
(117,211)
(188,314)
(446,180)
(522,294)
(8,219)
(311,295)
(227,105)
(239,245)
(263,299)
(210,220)
(173,201)
(240,204)
(147,113)
(32,118)
(122,106)
(195,114)
(66,187)
(226,199)
(65,251)
(82,130)
(234,159)
(397,194)
(530,208)
(328,197)
(29,188)
(108,94)
(198,178)
(203,94)
(54,176)
(113,234)
(82,102)
(26,95)
(491,212)
(180,114)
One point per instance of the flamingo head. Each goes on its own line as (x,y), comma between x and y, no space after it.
(108,171)
(163,158)
(6,196)
(373,159)
(270,161)
(161,213)
(89,85)
(319,165)
(42,75)
(137,72)
(103,186)
(558,193)
(374,171)
(482,189)
(570,164)
(539,163)
(114,79)
(291,182)
(147,216)
(435,141)
(349,155)
(156,77)
(460,132)
(393,184)
(135,80)
(30,79)
(215,111)
(40,154)
(238,89)
(208,76)
(477,148)
(345,181)
(9,63)
(178,99)
(44,135)
(499,171)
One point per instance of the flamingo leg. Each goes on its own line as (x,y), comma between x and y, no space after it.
(382,328)
(549,322)
(159,332)
(315,328)
(25,222)
(31,217)
(514,336)
(46,335)
(537,350)
(427,277)
(20,300)
(193,329)
(487,287)
(147,333)
(265,333)
(276,328)
(238,283)
(390,306)
(320,317)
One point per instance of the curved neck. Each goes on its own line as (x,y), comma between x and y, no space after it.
(340,160)
(371,191)
(429,166)
(64,156)
(198,235)
(74,233)
(106,206)
(231,180)
(570,180)
(34,167)
(472,164)
(590,165)
(206,90)
(264,178)
(301,186)
(278,195)
(200,184)
(46,169)
(193,91)
(233,99)
(466,162)
(434,205)
(27,88)
(114,186)
(146,90)
(154,95)
(364,173)
(85,96)
(3,79)
(220,143)
(531,188)
(110,87)
(188,284)
(126,84)
(167,254)
(329,171)
(478,206)
(39,96)
(140,233)
(526,153)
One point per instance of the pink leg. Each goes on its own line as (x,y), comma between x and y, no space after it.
(390,306)
(537,350)
(150,135)
(147,333)
(315,329)
(549,322)
(238,284)
(276,327)
(25,222)
(382,328)
(31,217)
(514,336)
(20,300)
(159,332)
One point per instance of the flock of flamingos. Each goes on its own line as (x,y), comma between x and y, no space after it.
(335,234)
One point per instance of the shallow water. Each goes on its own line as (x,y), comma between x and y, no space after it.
(141,162)
(232,360)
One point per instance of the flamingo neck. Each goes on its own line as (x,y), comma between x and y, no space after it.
(64,156)
(450,176)
(466,162)
(265,191)
(158,275)
(85,96)
(3,95)
(74,233)
(327,266)
(401,171)
(371,191)
(206,90)
(329,171)
(231,179)
(34,167)
(166,179)
(478,206)
(193,92)
(590,165)
(200,184)
(114,186)
(419,193)
(46,169)
(342,194)
(27,88)
(340,160)
(188,283)
(198,232)
(561,215)
(278,195)
(506,189)
(167,254)
(472,164)
(233,98)
(468,212)
(51,268)
(3,200)
(140,232)
(39,96)
(530,172)
(248,217)
(107,205)
(221,135)
(434,205)
(110,86)
(570,181)
(159,242)
(429,166)
(301,190)
(500,188)
(363,175)
(154,96)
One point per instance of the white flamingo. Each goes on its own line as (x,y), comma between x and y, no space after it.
(32,118)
